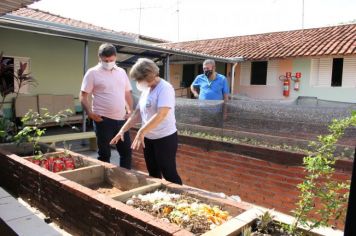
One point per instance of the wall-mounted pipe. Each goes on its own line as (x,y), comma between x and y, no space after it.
(233,78)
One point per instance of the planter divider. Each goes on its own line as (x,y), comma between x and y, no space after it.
(89,175)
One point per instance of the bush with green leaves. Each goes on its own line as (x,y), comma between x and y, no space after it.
(6,130)
(33,130)
(323,198)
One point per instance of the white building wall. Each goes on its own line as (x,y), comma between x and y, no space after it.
(315,81)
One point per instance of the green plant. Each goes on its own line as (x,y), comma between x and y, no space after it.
(38,156)
(6,130)
(247,231)
(242,140)
(67,147)
(9,77)
(265,222)
(6,75)
(23,79)
(32,130)
(322,198)
(32,135)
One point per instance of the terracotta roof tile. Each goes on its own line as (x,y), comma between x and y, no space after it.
(49,17)
(11,5)
(333,40)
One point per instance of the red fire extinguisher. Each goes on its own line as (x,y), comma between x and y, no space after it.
(286,87)
(298,75)
(286,83)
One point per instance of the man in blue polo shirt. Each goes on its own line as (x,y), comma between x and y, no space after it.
(212,86)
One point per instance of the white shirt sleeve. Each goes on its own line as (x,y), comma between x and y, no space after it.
(128,84)
(88,82)
(166,97)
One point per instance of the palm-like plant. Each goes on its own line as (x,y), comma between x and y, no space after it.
(8,77)
(23,78)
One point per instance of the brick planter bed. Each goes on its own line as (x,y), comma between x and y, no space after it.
(261,176)
(73,201)
(70,199)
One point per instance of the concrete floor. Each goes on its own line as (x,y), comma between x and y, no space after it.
(115,158)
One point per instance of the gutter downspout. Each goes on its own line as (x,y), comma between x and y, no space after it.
(233,78)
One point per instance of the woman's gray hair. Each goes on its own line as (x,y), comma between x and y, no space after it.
(143,69)
(209,62)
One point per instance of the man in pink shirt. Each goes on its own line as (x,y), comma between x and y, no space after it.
(112,103)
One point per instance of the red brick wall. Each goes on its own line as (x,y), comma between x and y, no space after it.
(79,210)
(261,176)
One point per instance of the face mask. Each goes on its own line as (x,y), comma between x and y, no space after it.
(142,86)
(108,65)
(207,73)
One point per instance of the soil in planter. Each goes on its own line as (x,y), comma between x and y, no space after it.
(270,229)
(186,211)
(105,188)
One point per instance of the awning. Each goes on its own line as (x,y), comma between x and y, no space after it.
(7,6)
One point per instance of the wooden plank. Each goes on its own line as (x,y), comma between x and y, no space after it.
(230,227)
(52,139)
(86,176)
(67,137)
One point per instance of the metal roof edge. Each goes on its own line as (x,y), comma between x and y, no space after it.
(61,30)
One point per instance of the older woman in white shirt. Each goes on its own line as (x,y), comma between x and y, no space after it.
(158,133)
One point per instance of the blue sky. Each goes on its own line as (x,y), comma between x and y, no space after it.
(203,19)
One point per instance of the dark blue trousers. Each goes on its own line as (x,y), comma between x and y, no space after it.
(105,131)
